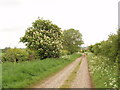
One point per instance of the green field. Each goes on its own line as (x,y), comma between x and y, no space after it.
(24,74)
(104,73)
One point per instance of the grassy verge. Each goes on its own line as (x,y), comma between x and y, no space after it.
(21,75)
(72,76)
(0,76)
(104,73)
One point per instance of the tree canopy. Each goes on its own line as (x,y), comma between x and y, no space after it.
(72,40)
(45,37)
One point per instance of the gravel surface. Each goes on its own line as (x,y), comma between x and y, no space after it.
(82,79)
(58,79)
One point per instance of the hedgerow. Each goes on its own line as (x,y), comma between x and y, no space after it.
(17,55)
(108,48)
(108,60)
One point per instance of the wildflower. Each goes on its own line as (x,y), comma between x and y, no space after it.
(111,84)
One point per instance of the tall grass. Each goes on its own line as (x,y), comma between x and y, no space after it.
(21,75)
(0,76)
(103,72)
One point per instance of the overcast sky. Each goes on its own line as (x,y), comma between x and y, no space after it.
(95,19)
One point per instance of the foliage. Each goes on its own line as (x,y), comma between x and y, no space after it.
(84,49)
(32,54)
(45,37)
(118,58)
(65,52)
(16,55)
(23,74)
(0,76)
(91,48)
(107,59)
(72,40)
(5,49)
(108,48)
(119,45)
(103,75)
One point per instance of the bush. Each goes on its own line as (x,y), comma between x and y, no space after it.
(15,55)
(65,52)
(108,48)
(32,54)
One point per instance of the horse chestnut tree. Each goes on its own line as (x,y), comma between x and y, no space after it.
(45,37)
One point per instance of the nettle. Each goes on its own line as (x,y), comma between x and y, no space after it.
(45,37)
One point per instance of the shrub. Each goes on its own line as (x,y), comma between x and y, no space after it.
(65,52)
(32,54)
(15,55)
(108,48)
